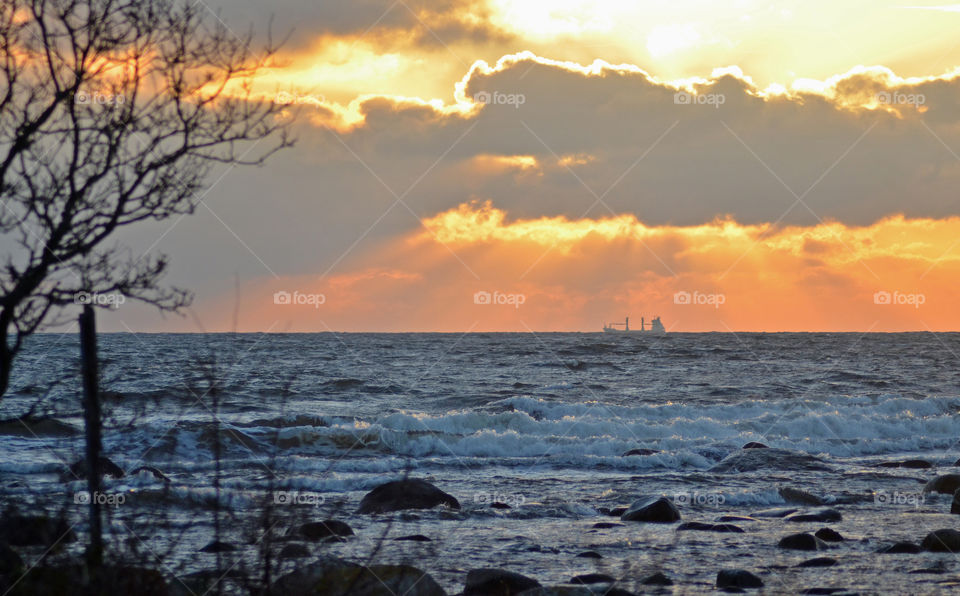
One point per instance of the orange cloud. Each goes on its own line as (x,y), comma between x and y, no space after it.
(560,274)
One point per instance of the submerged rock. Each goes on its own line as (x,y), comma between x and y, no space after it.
(915,464)
(294,550)
(779,512)
(703,527)
(657,579)
(942,541)
(322,530)
(606,525)
(497,582)
(661,511)
(819,562)
(499,505)
(151,470)
(331,576)
(828,535)
(946,484)
(749,460)
(592,578)
(755,445)
(590,554)
(803,541)
(795,495)
(414,538)
(217,546)
(78,469)
(642,451)
(10,561)
(738,578)
(822,516)
(737,518)
(955,505)
(900,548)
(411,493)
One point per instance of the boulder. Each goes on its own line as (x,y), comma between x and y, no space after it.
(801,497)
(497,582)
(738,578)
(643,451)
(750,460)
(592,578)
(413,538)
(703,527)
(946,484)
(942,541)
(564,591)
(955,505)
(322,530)
(78,469)
(820,516)
(755,445)
(661,511)
(411,493)
(900,548)
(589,554)
(819,562)
(828,535)
(802,541)
(657,579)
(217,546)
(331,576)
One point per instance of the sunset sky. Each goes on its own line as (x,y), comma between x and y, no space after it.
(788,166)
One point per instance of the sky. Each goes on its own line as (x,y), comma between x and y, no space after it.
(516,165)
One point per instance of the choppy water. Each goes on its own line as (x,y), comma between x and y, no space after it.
(537,421)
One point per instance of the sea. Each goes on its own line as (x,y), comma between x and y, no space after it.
(303,425)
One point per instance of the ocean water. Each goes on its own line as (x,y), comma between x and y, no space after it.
(537,421)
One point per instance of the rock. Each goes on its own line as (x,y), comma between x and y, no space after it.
(72,578)
(819,562)
(34,530)
(755,445)
(499,505)
(294,550)
(781,512)
(411,493)
(590,554)
(900,548)
(322,530)
(738,578)
(28,426)
(916,464)
(795,495)
(821,516)
(828,535)
(414,538)
(946,484)
(150,469)
(618,511)
(10,561)
(606,525)
(78,470)
(331,576)
(823,591)
(737,518)
(749,460)
(702,527)
(565,591)
(955,505)
(803,541)
(661,511)
(641,452)
(657,579)
(216,546)
(592,578)
(942,541)
(497,582)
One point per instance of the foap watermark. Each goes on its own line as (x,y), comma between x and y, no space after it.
(698,499)
(101,99)
(84,497)
(895,298)
(898,498)
(94,299)
(296,497)
(685,98)
(896,98)
(511,499)
(297,298)
(497,98)
(699,298)
(499,298)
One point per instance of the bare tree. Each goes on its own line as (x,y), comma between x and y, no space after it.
(112,112)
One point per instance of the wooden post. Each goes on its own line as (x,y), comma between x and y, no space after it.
(91,414)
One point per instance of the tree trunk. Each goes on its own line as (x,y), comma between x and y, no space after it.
(91,413)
